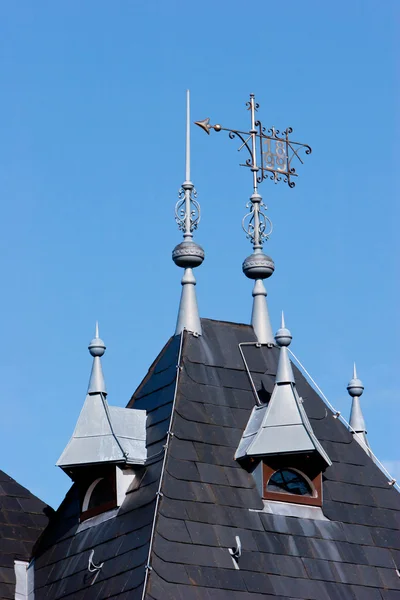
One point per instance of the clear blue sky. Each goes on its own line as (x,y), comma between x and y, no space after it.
(92,155)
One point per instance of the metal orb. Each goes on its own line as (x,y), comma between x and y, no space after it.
(283,337)
(355,388)
(188,255)
(217,127)
(258,266)
(97,347)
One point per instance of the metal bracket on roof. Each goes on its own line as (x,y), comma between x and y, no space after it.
(91,566)
(236,552)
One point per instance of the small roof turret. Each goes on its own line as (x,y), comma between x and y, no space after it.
(281,426)
(103,433)
(355,389)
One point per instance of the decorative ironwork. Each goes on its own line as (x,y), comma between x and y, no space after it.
(187,210)
(264,223)
(276,151)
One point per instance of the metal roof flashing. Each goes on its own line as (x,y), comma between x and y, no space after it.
(106,434)
(281,426)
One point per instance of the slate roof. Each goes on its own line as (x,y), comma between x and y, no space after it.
(22,519)
(208,499)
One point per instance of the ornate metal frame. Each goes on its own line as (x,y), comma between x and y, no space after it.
(277,165)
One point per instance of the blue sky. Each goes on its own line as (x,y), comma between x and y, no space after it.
(91,158)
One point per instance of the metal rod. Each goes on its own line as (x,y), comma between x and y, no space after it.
(158,494)
(187,135)
(253,387)
(106,410)
(392,480)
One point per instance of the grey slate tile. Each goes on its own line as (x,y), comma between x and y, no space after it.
(390,595)
(173,530)
(365,593)
(217,578)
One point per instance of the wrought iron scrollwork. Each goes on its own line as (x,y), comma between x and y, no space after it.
(181,207)
(256,233)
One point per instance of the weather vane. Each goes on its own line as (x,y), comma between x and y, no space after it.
(275,149)
(272,154)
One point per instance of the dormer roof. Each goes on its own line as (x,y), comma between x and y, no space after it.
(281,426)
(106,434)
(103,433)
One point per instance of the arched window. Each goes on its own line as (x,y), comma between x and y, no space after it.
(100,496)
(289,481)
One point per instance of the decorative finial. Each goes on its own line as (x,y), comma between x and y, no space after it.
(283,337)
(188,254)
(355,386)
(277,152)
(355,389)
(97,349)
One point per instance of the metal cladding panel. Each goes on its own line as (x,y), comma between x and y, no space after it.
(255,421)
(282,408)
(281,439)
(91,450)
(98,437)
(252,428)
(92,419)
(129,422)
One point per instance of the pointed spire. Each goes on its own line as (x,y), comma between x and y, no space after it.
(188,254)
(97,349)
(283,337)
(355,389)
(282,425)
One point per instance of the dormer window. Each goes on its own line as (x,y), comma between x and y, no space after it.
(288,481)
(100,496)
(279,445)
(294,479)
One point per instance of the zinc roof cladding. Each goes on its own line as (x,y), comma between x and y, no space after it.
(22,519)
(207,496)
(122,542)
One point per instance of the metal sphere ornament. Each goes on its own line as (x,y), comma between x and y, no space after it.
(258,266)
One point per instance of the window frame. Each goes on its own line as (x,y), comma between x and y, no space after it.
(87,513)
(314,480)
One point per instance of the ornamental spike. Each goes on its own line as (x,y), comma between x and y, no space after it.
(283,337)
(355,389)
(188,254)
(97,348)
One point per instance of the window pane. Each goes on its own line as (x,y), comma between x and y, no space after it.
(102,493)
(289,482)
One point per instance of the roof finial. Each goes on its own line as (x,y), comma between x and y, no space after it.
(355,389)
(276,153)
(283,337)
(97,349)
(188,254)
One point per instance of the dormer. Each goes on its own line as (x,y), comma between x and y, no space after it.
(107,450)
(279,445)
